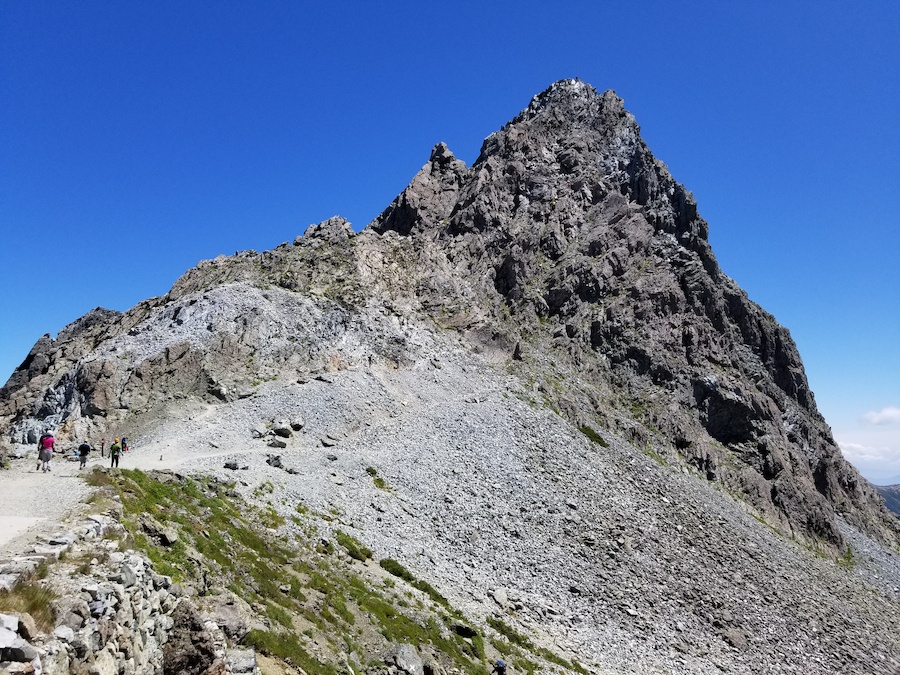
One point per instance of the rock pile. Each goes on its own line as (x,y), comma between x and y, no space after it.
(113,614)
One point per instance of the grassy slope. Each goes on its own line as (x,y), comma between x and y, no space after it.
(319,598)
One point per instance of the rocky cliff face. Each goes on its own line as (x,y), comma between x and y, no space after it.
(567,249)
(580,245)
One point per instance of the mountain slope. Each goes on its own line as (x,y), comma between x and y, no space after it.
(563,391)
(891,494)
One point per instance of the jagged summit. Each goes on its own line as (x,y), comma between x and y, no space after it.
(573,102)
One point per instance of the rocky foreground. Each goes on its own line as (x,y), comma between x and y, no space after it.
(529,385)
(612,558)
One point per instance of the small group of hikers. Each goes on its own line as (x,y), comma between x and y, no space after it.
(47,445)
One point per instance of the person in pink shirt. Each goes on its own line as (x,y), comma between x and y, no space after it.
(45,451)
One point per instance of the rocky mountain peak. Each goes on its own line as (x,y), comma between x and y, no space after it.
(527,375)
(334,229)
(570,233)
(573,102)
(567,252)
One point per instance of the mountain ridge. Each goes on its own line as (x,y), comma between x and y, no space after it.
(565,287)
(568,222)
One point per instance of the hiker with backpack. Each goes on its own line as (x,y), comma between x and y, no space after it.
(114,451)
(83,451)
(45,451)
(499,667)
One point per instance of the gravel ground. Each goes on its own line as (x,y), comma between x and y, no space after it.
(600,553)
(32,503)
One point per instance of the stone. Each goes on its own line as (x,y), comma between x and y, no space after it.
(126,576)
(61,539)
(104,664)
(64,633)
(283,430)
(240,661)
(27,626)
(277,443)
(463,630)
(735,637)
(164,534)
(50,552)
(7,581)
(407,659)
(20,650)
(190,647)
(7,637)
(297,424)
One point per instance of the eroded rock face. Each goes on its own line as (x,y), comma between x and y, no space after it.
(190,649)
(566,253)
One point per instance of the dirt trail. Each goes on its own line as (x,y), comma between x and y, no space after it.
(33,503)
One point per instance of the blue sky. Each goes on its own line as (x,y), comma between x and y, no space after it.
(139,138)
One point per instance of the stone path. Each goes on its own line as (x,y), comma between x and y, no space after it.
(32,501)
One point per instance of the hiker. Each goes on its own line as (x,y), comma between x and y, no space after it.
(103,447)
(40,447)
(124,444)
(114,451)
(499,667)
(45,448)
(83,451)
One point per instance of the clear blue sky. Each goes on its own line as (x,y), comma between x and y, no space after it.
(139,138)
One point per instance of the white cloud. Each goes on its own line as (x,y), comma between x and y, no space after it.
(856,452)
(874,451)
(888,415)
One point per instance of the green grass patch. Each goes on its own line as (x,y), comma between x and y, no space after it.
(398,570)
(377,480)
(353,546)
(271,518)
(287,647)
(510,634)
(30,597)
(847,560)
(521,641)
(593,436)
(279,615)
